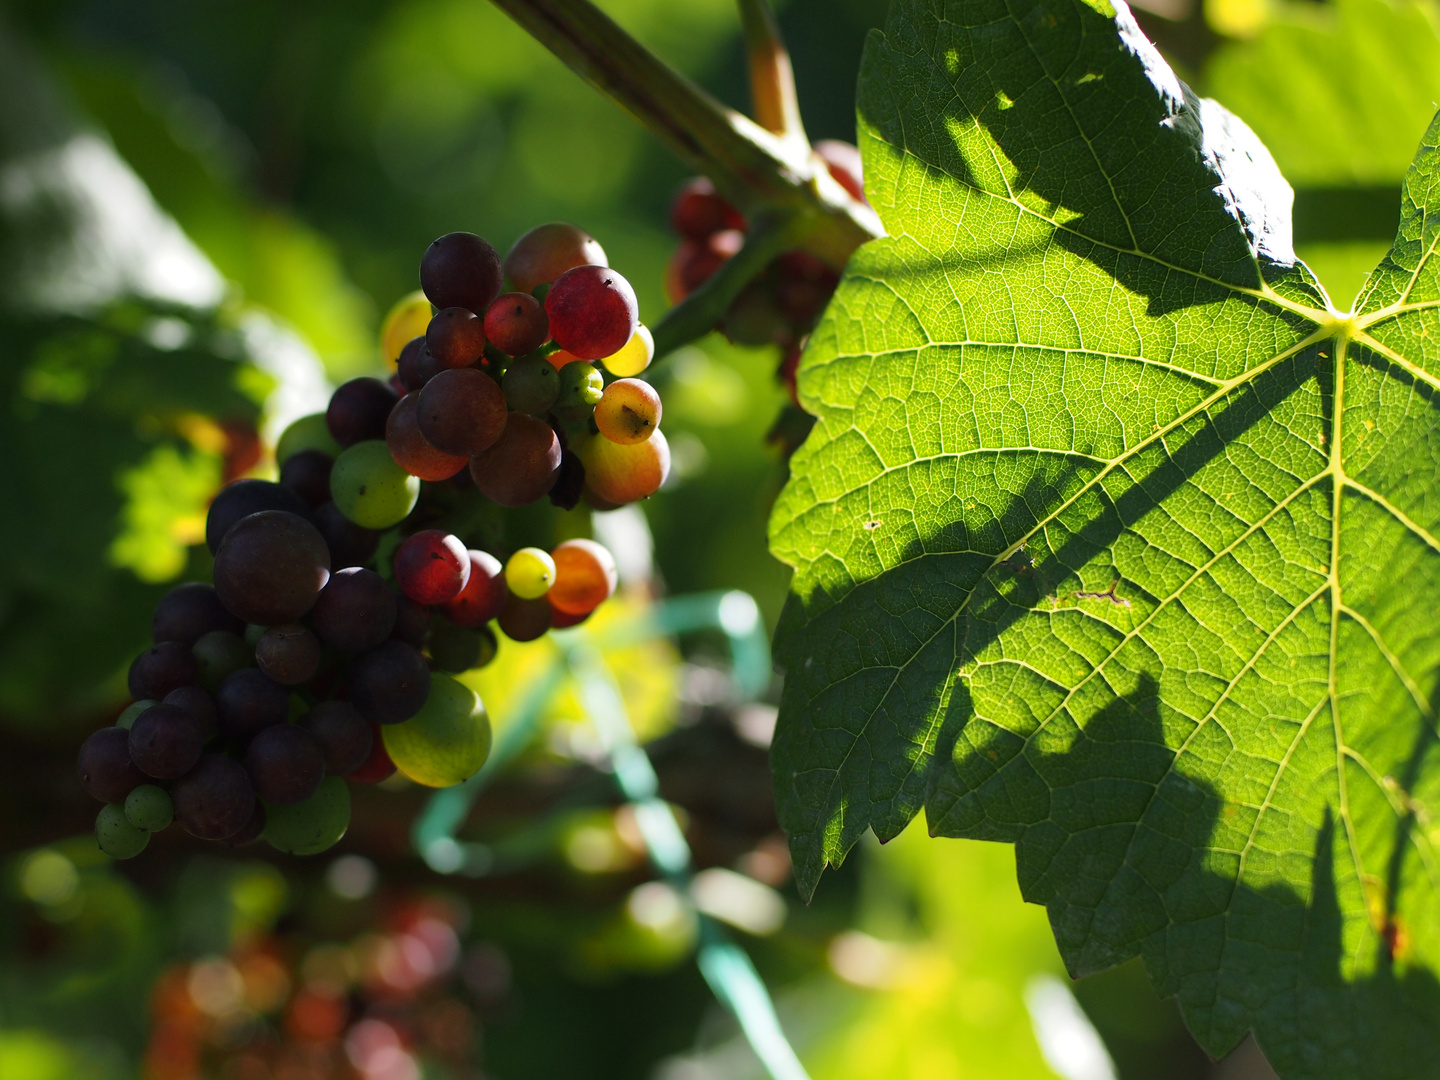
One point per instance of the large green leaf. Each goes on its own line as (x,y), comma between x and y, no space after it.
(1115,541)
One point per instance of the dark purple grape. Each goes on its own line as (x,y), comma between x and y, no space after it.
(358,409)
(389,684)
(165,742)
(285,764)
(240,500)
(461,411)
(356,610)
(456,337)
(349,544)
(525,620)
(200,706)
(307,473)
(189,611)
(410,449)
(457,648)
(412,622)
(253,828)
(162,668)
(215,799)
(417,365)
(106,771)
(271,567)
(569,481)
(250,701)
(522,466)
(289,654)
(345,737)
(461,270)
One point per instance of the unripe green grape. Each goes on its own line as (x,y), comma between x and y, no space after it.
(117,837)
(308,433)
(370,489)
(531,386)
(220,653)
(312,825)
(581,384)
(132,712)
(149,807)
(447,741)
(530,573)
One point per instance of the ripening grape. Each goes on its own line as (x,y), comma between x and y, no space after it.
(456,337)
(447,741)
(844,163)
(592,311)
(622,473)
(289,654)
(370,489)
(412,622)
(410,449)
(106,771)
(560,358)
(515,323)
(215,799)
(248,702)
(243,498)
(165,742)
(635,357)
(356,611)
(219,653)
(358,410)
(148,807)
(462,411)
(563,620)
(313,825)
(389,683)
(524,620)
(417,365)
(116,835)
(585,576)
(200,706)
(189,611)
(403,323)
(461,270)
(697,211)
(484,593)
(349,544)
(431,567)
(629,411)
(695,262)
(132,711)
(308,433)
(547,251)
(581,386)
(522,466)
(531,386)
(378,765)
(530,573)
(285,764)
(271,566)
(345,737)
(160,669)
(307,474)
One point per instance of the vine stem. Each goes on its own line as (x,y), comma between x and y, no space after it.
(772,78)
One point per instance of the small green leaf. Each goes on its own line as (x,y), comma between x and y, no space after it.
(1114,540)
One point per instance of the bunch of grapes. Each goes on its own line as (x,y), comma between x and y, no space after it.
(307,664)
(781,305)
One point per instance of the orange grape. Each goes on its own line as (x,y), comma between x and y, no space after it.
(584,577)
(624,472)
(628,411)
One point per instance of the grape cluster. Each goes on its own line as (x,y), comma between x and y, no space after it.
(781,305)
(304,665)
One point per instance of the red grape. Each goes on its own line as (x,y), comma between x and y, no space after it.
(516,324)
(525,620)
(697,211)
(845,164)
(409,447)
(271,567)
(547,251)
(377,766)
(358,410)
(484,593)
(356,610)
(461,411)
(417,365)
(522,466)
(695,262)
(460,270)
(240,500)
(456,337)
(592,311)
(431,567)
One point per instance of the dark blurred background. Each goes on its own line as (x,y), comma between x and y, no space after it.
(205,211)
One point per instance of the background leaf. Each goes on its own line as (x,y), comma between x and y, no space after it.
(1099,551)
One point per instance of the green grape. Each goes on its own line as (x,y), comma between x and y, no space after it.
(220,653)
(369,488)
(530,573)
(133,711)
(447,741)
(149,807)
(310,826)
(118,838)
(531,386)
(580,384)
(308,433)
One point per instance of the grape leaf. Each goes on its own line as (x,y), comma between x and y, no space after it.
(1114,540)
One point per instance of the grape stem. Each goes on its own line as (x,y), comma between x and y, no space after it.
(772,79)
(760,171)
(697,314)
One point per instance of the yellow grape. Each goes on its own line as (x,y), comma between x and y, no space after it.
(628,411)
(635,357)
(530,573)
(624,472)
(407,320)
